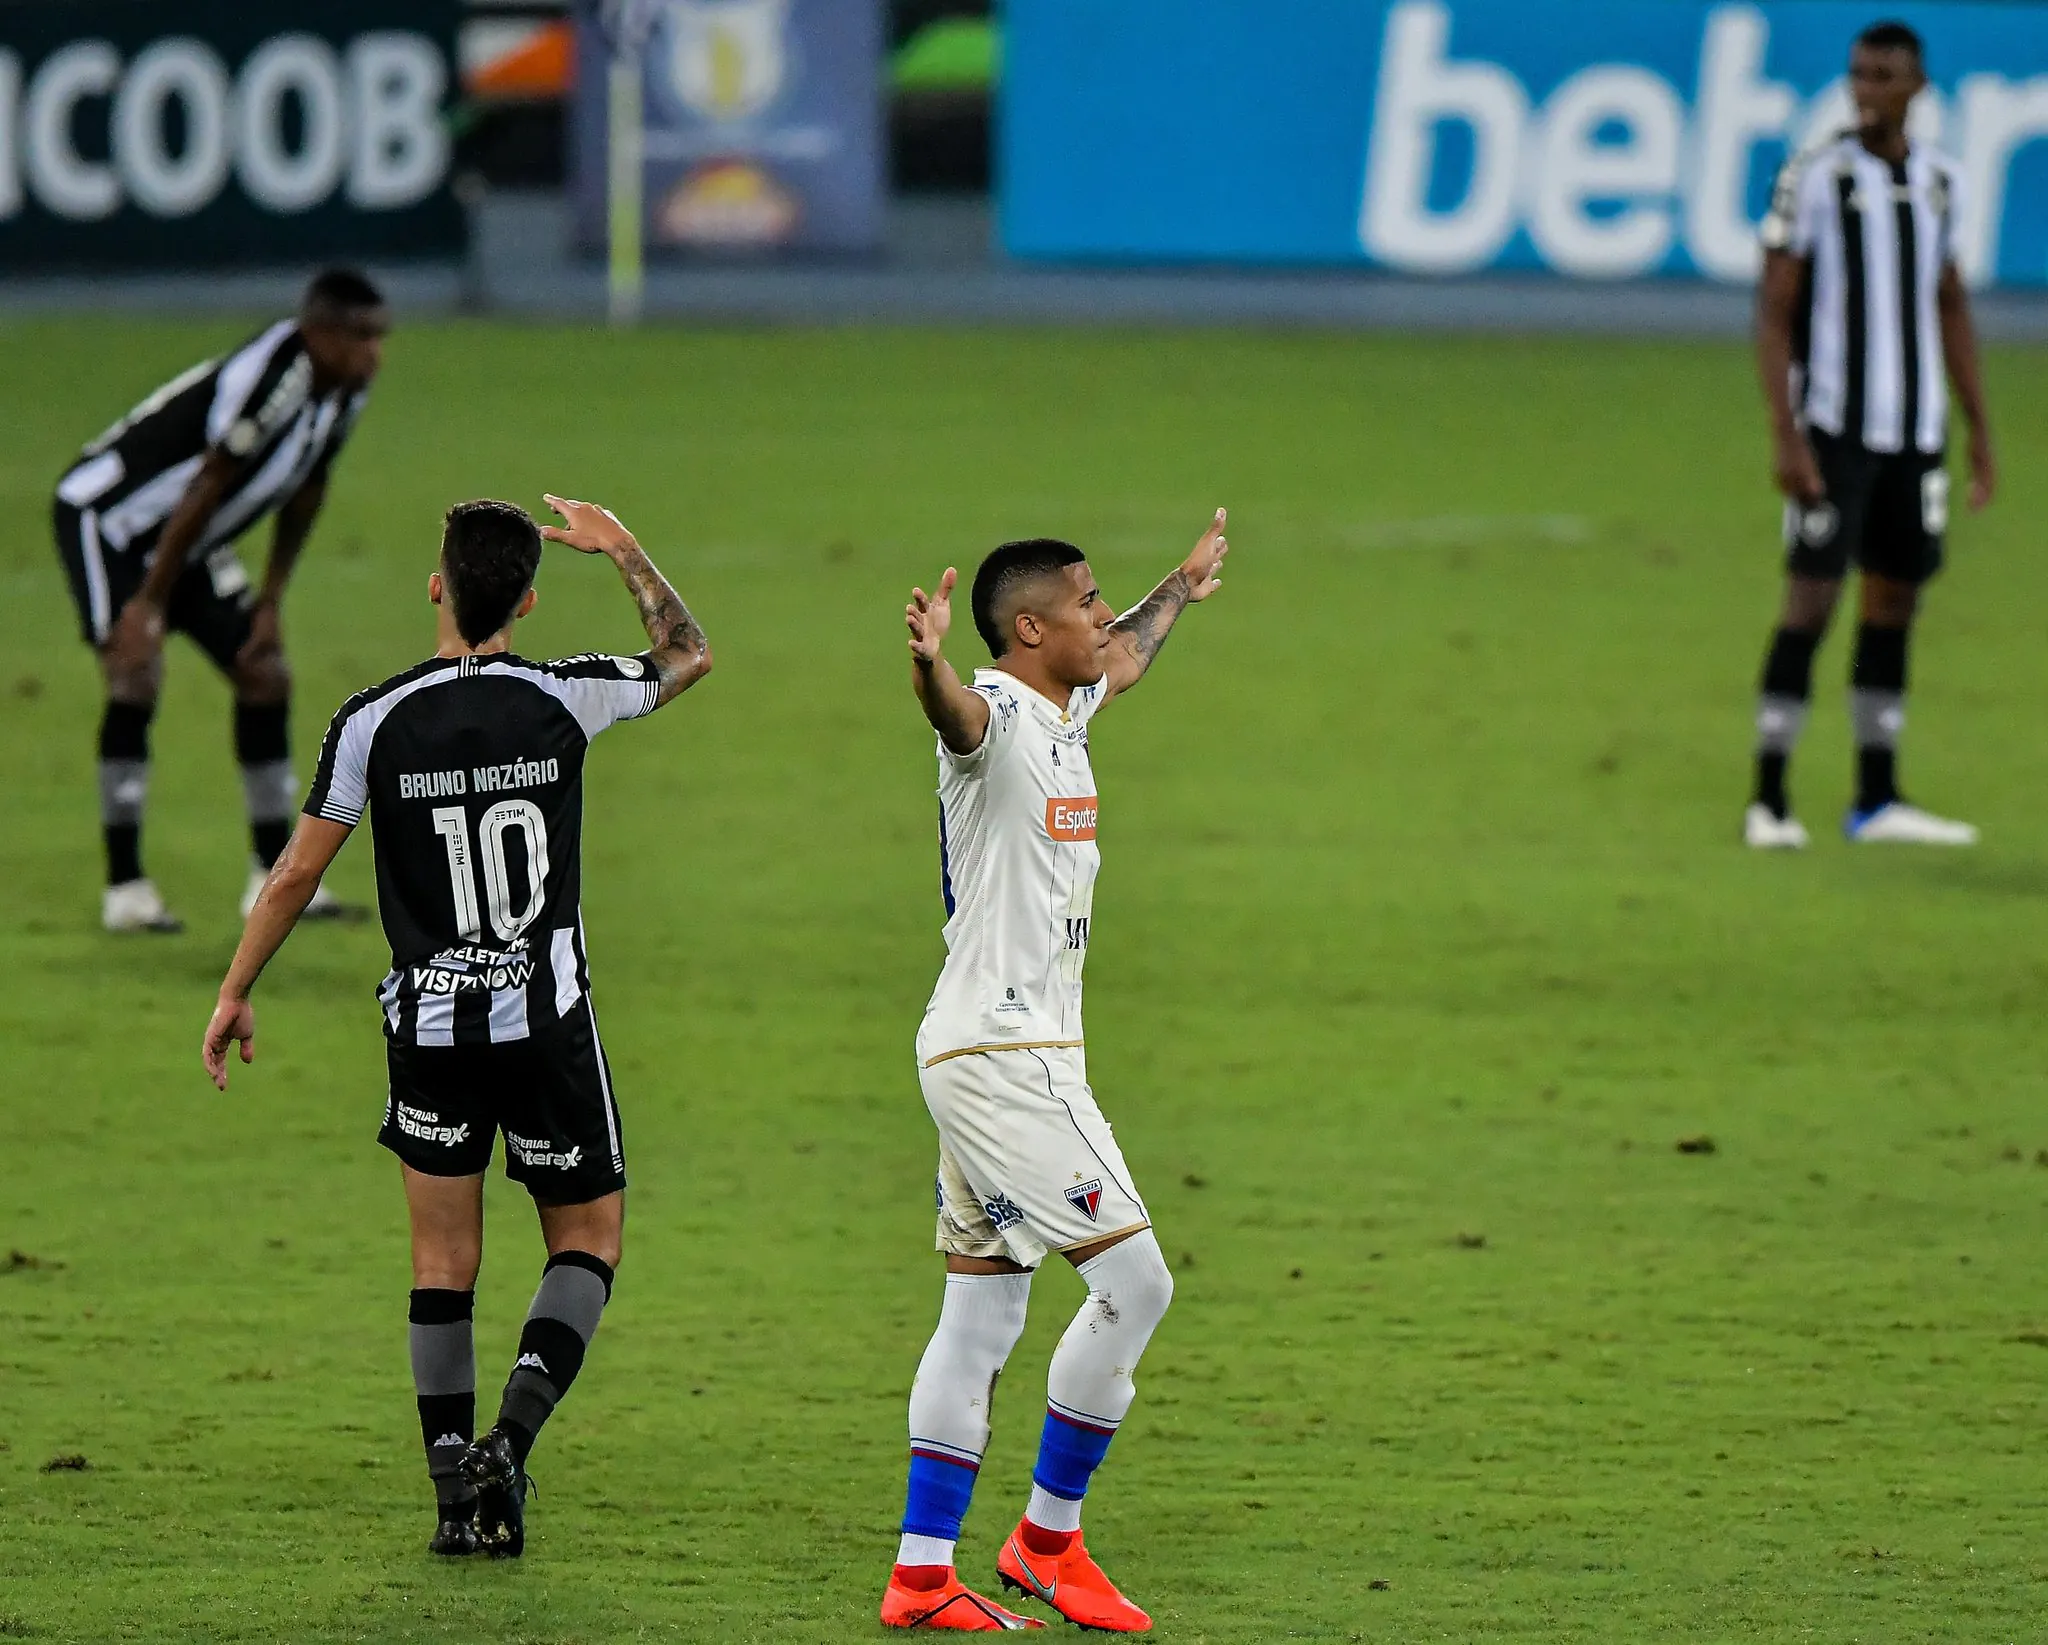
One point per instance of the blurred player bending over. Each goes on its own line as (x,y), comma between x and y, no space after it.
(146,521)
(473,765)
(1861,312)
(1027,1163)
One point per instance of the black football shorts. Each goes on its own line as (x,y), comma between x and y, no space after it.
(1885,512)
(551,1096)
(211,600)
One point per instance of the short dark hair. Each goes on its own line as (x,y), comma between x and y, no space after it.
(1003,570)
(1892,35)
(489,553)
(339,291)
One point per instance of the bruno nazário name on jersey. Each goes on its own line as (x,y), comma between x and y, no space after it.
(480,779)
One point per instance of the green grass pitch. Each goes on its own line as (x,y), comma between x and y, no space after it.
(1422,940)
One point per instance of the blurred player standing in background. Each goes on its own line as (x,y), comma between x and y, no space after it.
(1027,1163)
(472,763)
(146,521)
(1861,311)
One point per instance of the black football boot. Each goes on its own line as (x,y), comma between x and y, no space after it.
(456,1535)
(492,1468)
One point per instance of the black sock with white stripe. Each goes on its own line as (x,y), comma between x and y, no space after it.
(444,1381)
(263,748)
(574,1287)
(124,786)
(1782,698)
(1877,710)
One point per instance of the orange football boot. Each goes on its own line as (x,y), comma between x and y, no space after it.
(953,1605)
(1071,1583)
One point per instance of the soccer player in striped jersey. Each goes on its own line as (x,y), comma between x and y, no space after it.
(146,520)
(1027,1163)
(1862,321)
(471,764)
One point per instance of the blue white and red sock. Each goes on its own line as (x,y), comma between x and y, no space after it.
(979,1324)
(1090,1384)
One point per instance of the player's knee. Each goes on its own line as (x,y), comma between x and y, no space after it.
(134,687)
(1889,605)
(449,1266)
(605,1244)
(263,680)
(596,1228)
(1158,1292)
(1809,604)
(1142,1287)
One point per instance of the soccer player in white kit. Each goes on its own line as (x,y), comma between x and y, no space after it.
(1027,1163)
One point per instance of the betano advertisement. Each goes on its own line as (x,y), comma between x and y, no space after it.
(1605,139)
(214,132)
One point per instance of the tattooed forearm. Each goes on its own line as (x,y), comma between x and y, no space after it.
(1146,625)
(681,652)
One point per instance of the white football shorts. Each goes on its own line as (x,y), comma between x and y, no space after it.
(1027,1163)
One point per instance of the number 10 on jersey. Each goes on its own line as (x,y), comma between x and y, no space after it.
(452,824)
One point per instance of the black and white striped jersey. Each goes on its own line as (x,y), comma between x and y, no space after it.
(472,769)
(256,404)
(1875,236)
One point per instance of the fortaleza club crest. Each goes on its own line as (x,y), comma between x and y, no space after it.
(1087,1196)
(727,59)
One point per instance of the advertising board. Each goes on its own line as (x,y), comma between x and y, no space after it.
(762,124)
(1605,139)
(210,132)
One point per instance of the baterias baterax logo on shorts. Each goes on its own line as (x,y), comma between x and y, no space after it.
(1070,819)
(1087,1196)
(541,1152)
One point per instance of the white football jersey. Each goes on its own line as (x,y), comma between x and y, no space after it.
(1017,851)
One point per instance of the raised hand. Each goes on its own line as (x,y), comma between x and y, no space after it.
(589,528)
(928,616)
(1203,565)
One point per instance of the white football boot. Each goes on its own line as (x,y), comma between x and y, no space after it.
(137,905)
(1764,830)
(324,906)
(1901,824)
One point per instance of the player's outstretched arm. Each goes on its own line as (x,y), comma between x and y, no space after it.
(958,715)
(680,652)
(1142,630)
(293,880)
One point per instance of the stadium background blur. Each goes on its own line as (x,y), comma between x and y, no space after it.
(1584,1229)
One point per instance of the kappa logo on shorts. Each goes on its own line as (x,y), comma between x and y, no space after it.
(1003,1212)
(1071,819)
(1818,525)
(543,1153)
(1086,1196)
(418,1123)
